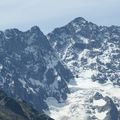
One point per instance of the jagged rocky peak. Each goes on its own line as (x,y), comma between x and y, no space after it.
(89,48)
(77,26)
(30,68)
(32,36)
(79,20)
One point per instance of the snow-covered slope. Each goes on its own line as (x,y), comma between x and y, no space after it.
(88,101)
(30,69)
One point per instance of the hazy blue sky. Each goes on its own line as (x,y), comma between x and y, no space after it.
(48,14)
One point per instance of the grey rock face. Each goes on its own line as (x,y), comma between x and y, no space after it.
(30,69)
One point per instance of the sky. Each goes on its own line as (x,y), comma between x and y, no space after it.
(49,14)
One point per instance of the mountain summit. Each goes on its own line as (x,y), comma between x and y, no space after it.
(83,45)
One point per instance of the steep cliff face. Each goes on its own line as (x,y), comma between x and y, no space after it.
(30,69)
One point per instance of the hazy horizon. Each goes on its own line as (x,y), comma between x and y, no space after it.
(51,14)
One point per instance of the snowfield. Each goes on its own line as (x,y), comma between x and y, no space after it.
(77,103)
